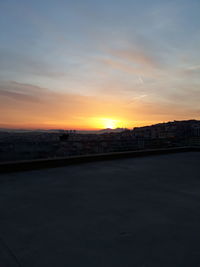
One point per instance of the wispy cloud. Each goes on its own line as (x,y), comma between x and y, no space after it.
(26,64)
(127,67)
(18,96)
(137,57)
(133,60)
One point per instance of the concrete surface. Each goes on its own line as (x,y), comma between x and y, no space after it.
(127,212)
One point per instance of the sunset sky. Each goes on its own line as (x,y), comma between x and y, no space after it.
(88,64)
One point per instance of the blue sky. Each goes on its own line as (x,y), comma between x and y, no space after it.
(137,55)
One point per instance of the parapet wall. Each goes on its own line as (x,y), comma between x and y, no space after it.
(17,166)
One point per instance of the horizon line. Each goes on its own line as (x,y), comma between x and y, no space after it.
(83,129)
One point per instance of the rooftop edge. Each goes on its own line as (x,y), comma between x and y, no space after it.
(27,165)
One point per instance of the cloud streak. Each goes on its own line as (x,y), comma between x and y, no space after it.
(136,57)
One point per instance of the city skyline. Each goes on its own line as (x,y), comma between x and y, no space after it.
(98,64)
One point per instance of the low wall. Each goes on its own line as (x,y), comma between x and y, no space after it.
(59,162)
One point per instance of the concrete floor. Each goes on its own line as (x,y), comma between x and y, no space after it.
(130,212)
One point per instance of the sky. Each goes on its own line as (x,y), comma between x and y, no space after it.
(91,64)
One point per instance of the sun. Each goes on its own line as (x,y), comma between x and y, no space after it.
(106,123)
(109,123)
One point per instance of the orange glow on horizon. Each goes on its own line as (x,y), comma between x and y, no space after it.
(94,123)
(105,123)
(89,124)
(56,110)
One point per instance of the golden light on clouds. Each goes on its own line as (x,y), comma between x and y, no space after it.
(33,107)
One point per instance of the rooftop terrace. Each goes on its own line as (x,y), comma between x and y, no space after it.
(125,212)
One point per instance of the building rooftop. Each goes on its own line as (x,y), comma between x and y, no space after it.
(126,212)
